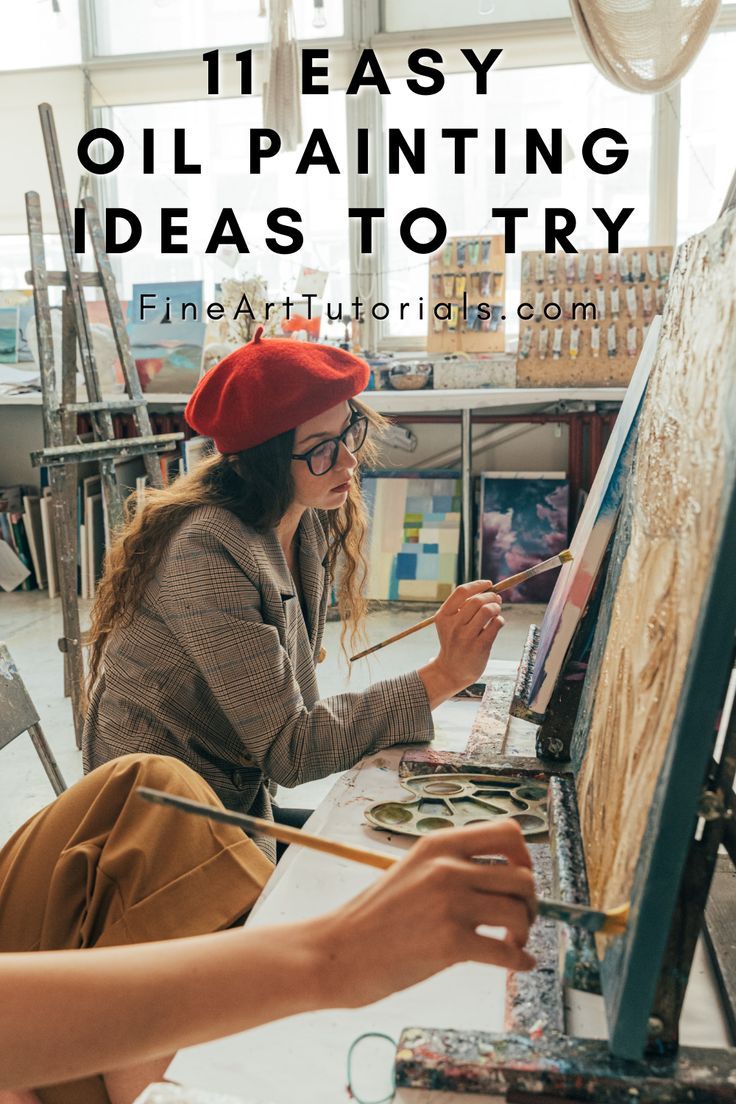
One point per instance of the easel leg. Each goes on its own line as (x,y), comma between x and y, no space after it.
(63,484)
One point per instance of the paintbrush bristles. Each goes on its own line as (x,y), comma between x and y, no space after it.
(616,921)
(504,584)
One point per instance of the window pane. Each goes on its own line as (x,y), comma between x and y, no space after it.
(15,261)
(707,135)
(217,138)
(140,26)
(35,35)
(573,97)
(410,15)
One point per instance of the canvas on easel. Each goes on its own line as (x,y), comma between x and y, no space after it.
(664,646)
(650,800)
(550,645)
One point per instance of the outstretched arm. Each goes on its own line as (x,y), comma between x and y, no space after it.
(67,1014)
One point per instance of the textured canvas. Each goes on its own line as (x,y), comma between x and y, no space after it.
(663,647)
(168,355)
(523,520)
(575,582)
(414,535)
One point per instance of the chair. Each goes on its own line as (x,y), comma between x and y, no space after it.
(17,715)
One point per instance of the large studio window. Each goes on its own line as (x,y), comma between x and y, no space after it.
(418,15)
(575,98)
(142,27)
(217,138)
(40,34)
(707,135)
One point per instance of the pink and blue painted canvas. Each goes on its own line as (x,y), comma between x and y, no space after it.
(576,581)
(523,520)
(414,534)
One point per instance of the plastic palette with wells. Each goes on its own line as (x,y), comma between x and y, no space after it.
(452,800)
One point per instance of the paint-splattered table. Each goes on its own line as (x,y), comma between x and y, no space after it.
(303,1060)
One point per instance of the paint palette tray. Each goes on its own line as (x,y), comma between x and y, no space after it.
(452,800)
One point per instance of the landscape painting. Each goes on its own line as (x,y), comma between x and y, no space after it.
(22,298)
(8,335)
(167,350)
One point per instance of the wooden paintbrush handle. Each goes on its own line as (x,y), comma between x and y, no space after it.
(329,847)
(503,584)
(398,636)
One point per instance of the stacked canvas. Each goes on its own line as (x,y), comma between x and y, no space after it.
(22,562)
(414,534)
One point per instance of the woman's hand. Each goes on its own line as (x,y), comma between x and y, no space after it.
(467,624)
(418,918)
(422,915)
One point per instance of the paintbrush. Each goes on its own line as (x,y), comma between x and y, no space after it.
(612,922)
(504,584)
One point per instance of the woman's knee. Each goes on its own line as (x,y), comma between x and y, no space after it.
(163,772)
(158,772)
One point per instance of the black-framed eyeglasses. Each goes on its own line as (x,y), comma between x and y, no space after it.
(323,457)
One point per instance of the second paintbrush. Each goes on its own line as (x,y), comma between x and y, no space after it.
(611,922)
(503,584)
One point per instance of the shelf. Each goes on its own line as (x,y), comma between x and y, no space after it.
(487,398)
(407,402)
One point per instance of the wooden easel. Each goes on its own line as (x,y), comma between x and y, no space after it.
(534,1061)
(62,451)
(642,974)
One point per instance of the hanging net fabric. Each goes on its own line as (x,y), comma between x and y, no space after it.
(643,45)
(282,105)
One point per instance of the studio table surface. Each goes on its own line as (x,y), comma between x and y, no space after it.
(303,1059)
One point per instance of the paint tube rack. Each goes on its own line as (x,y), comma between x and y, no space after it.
(468,276)
(584,316)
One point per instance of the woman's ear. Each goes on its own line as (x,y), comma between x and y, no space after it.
(233,461)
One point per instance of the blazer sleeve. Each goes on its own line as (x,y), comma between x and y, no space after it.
(214,609)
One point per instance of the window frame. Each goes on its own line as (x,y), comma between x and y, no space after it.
(95,60)
(530,43)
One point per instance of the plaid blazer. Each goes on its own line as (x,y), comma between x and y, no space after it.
(217,668)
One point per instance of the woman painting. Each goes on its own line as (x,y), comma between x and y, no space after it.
(208,623)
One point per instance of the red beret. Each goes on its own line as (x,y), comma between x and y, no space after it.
(268,386)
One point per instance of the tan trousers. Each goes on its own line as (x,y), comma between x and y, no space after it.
(100,867)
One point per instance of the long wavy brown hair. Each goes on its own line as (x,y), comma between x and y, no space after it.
(257,487)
